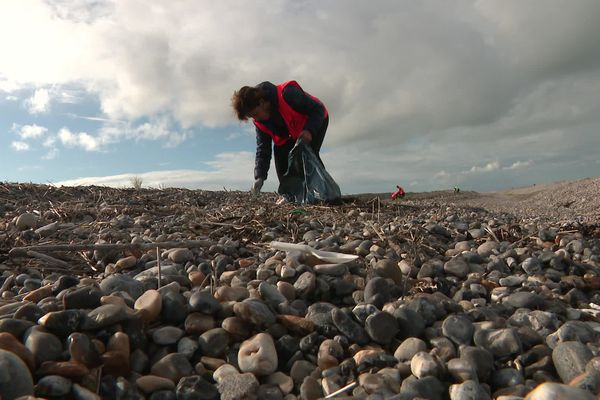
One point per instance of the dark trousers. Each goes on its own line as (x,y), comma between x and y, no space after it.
(280,153)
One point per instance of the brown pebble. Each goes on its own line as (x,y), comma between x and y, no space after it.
(119,342)
(152,383)
(67,369)
(116,363)
(149,305)
(39,294)
(246,262)
(296,324)
(197,323)
(237,328)
(212,363)
(10,343)
(125,263)
(196,277)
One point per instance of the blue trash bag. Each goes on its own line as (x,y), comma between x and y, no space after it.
(306,180)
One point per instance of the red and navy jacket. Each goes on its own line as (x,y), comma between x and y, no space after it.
(292,111)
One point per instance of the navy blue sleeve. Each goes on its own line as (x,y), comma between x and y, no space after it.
(262,161)
(304,104)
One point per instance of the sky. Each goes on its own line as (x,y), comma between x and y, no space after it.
(429,94)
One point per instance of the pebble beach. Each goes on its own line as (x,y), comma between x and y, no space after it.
(184,294)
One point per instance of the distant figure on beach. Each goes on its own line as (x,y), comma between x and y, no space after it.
(456,189)
(281,114)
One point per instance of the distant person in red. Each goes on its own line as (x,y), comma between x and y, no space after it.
(281,114)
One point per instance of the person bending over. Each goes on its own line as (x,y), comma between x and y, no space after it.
(282,114)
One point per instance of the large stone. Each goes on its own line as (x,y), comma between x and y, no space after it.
(469,390)
(570,359)
(125,283)
(53,386)
(44,345)
(389,269)
(258,355)
(15,378)
(238,386)
(556,391)
(458,328)
(173,366)
(255,312)
(149,305)
(196,388)
(500,342)
(382,327)
(349,328)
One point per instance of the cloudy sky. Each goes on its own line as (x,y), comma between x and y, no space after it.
(426,94)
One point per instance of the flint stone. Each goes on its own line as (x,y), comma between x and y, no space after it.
(181,255)
(408,348)
(524,300)
(486,249)
(196,388)
(63,323)
(387,268)
(86,297)
(424,364)
(104,316)
(428,387)
(213,342)
(255,312)
(53,386)
(204,302)
(120,282)
(469,390)
(531,266)
(167,335)
(458,328)
(461,370)
(557,391)
(570,359)
(238,386)
(381,327)
(349,328)
(270,294)
(173,366)
(500,342)
(15,378)
(319,314)
(481,359)
(410,323)
(44,345)
(377,292)
(572,331)
(457,267)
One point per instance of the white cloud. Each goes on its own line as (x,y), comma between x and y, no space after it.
(491,166)
(39,102)
(29,131)
(82,140)
(51,154)
(20,146)
(231,170)
(519,165)
(413,88)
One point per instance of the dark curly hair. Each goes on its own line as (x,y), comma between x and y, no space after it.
(245,100)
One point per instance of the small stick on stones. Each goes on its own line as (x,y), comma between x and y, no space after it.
(159,269)
(342,390)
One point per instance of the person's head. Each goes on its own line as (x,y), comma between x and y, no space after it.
(249,102)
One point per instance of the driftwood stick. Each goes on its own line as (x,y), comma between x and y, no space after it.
(22,251)
(48,259)
(342,390)
(159,268)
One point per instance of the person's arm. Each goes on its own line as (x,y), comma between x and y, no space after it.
(304,104)
(263,155)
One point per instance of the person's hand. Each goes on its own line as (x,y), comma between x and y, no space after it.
(306,136)
(258,184)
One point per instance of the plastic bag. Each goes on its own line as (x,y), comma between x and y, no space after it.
(306,180)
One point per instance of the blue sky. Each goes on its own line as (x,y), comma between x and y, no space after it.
(482,94)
